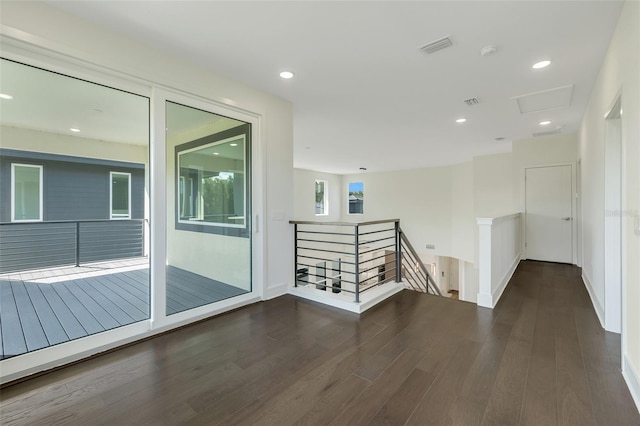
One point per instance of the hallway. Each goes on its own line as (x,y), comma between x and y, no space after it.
(539,358)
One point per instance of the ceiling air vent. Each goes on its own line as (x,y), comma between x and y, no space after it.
(434,46)
(547,133)
(471,101)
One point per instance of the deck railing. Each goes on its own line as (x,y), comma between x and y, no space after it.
(34,245)
(356,257)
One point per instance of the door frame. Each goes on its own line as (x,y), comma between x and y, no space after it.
(574,221)
(614,205)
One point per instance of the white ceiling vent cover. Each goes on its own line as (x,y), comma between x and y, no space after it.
(546,100)
(434,46)
(547,133)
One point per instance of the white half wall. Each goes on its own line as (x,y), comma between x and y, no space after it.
(499,252)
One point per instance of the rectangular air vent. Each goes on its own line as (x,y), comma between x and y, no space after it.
(471,101)
(547,133)
(431,246)
(434,46)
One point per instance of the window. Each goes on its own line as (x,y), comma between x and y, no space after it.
(26,193)
(211,183)
(356,198)
(120,195)
(322,204)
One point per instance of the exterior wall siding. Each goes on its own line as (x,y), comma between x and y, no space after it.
(76,225)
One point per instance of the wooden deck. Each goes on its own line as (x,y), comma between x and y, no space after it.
(42,308)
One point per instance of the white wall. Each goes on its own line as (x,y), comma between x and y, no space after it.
(421,199)
(463,218)
(304,195)
(535,152)
(620,74)
(493,184)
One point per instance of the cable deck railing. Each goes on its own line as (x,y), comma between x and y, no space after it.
(356,257)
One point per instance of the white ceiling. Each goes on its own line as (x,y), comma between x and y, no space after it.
(364,95)
(55,103)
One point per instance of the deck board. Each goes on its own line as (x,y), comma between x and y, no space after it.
(72,327)
(100,313)
(84,316)
(12,336)
(48,307)
(31,326)
(50,323)
(120,300)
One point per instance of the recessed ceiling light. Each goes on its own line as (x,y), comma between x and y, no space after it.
(461,120)
(233,144)
(541,64)
(73,129)
(488,50)
(286,74)
(216,153)
(5,96)
(545,123)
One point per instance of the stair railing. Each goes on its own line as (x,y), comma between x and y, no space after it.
(356,257)
(416,274)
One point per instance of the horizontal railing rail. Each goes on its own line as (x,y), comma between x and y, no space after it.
(46,244)
(349,257)
(369,254)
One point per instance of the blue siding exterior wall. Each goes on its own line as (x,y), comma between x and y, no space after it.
(72,190)
(76,225)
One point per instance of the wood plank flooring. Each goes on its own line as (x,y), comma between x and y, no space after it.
(45,308)
(540,358)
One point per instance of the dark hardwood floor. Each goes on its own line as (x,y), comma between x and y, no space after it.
(540,358)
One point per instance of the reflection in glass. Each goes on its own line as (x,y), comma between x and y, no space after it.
(74,157)
(210,191)
(120,193)
(209,203)
(27,196)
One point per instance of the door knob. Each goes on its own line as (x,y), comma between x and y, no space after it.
(566,218)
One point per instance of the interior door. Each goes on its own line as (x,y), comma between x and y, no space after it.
(549,214)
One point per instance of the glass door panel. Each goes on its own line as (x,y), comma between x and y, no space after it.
(208,208)
(74,196)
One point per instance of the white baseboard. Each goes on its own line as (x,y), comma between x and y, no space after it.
(633,380)
(272,293)
(491,300)
(594,301)
(345,300)
(497,294)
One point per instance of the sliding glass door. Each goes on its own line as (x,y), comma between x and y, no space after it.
(208,208)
